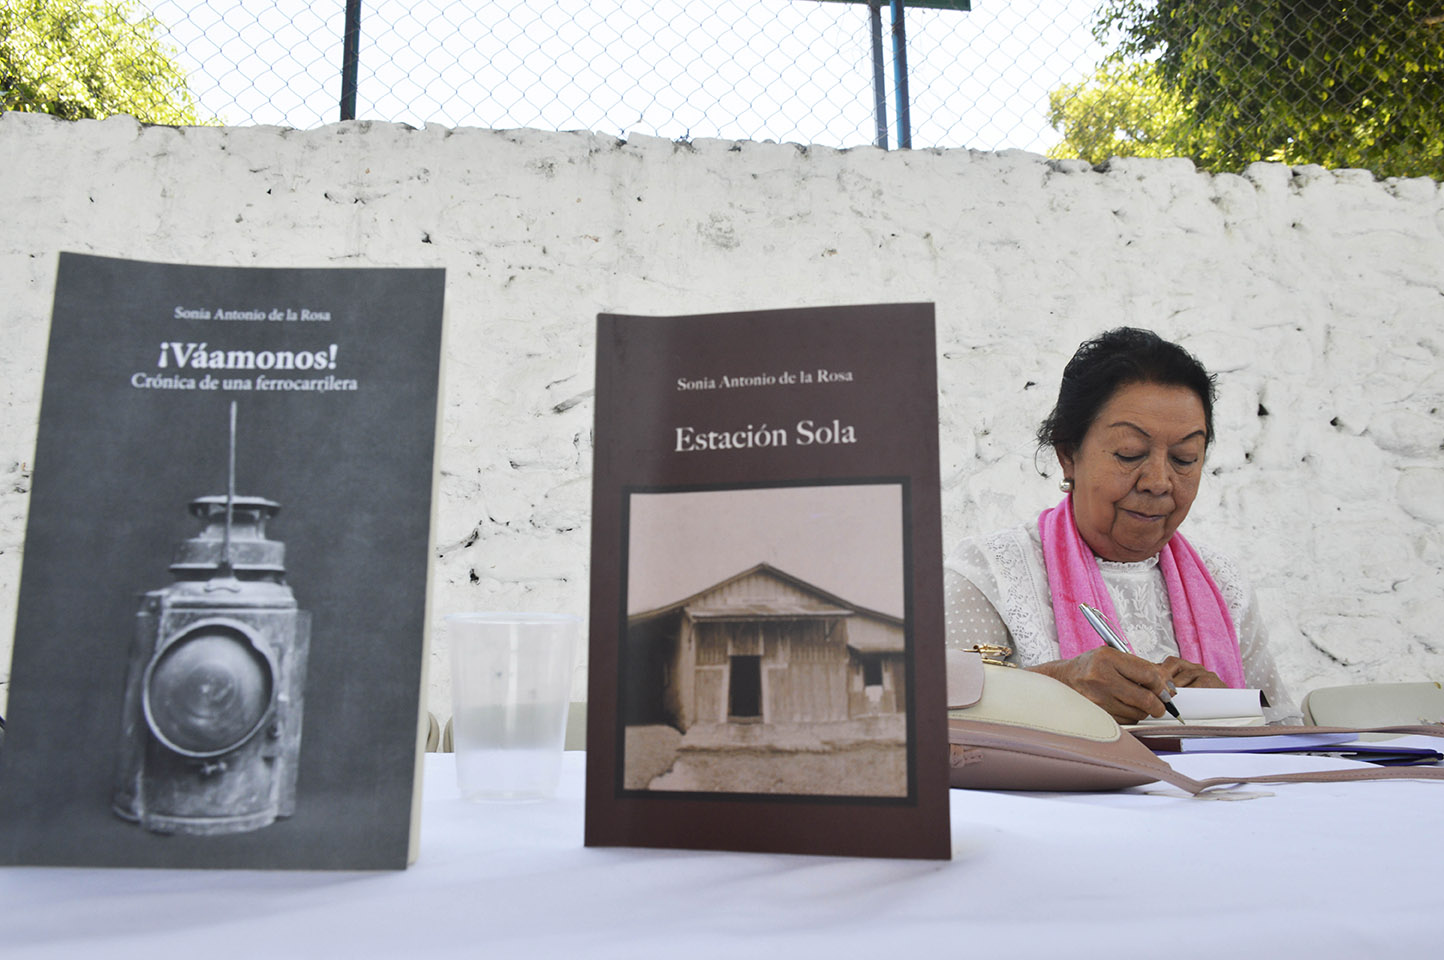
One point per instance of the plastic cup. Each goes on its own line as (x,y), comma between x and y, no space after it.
(511,676)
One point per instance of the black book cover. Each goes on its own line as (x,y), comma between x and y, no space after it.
(220,640)
(766,641)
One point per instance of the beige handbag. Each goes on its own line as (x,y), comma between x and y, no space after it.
(1375,704)
(1014,729)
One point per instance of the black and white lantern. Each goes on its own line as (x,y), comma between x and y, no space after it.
(211,729)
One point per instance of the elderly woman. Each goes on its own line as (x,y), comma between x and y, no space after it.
(1132,424)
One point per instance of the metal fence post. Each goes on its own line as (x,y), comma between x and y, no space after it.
(900,77)
(350,59)
(879,87)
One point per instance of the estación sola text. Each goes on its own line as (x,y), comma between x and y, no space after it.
(805,433)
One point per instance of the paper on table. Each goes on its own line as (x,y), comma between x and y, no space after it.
(1386,749)
(1400,749)
(1283,743)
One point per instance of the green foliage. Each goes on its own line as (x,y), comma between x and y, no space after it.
(1123,110)
(78,59)
(1343,84)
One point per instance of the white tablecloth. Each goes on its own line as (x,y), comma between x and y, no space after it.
(1301,870)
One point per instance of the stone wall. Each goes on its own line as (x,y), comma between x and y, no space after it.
(1317,296)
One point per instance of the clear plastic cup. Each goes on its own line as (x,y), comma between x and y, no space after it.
(511,676)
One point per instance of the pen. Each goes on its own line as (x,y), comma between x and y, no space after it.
(1100,626)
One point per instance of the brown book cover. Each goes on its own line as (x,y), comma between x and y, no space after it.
(766,644)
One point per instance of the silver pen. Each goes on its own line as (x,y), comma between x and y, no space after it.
(1100,626)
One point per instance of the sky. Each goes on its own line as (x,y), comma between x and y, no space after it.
(788,70)
(846,539)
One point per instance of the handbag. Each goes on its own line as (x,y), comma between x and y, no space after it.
(1374,704)
(1011,729)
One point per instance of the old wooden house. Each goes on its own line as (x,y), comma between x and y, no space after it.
(762,647)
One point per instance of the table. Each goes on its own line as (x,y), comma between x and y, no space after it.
(1315,870)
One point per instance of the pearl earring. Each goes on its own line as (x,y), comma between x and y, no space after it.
(1066,485)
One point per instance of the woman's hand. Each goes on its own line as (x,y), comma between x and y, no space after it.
(1128,687)
(1187,674)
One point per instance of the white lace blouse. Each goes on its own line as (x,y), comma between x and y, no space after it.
(996,591)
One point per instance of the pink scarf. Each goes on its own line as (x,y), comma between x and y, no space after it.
(1201,624)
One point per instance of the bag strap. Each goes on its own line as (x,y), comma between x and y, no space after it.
(1158,739)
(1149,767)
(1084,737)
(1327,776)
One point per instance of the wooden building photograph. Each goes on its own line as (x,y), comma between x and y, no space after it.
(764,681)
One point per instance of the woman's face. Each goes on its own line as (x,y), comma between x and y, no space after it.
(1136,472)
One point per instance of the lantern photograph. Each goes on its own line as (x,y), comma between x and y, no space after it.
(211,727)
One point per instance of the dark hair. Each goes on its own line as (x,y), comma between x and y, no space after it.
(1112,360)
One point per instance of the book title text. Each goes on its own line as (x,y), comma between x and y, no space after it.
(805,434)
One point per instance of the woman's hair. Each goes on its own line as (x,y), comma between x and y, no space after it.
(1112,360)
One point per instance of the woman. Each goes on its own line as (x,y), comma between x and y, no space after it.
(1132,424)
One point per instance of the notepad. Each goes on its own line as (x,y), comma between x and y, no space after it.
(1215,707)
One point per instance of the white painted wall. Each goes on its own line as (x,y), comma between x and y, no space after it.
(1317,296)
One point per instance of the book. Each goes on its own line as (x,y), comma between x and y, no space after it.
(766,634)
(220,637)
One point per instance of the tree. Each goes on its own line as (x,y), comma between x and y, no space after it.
(78,59)
(1343,84)
(1124,110)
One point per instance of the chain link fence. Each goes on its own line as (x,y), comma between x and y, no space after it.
(787,70)
(1226,82)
